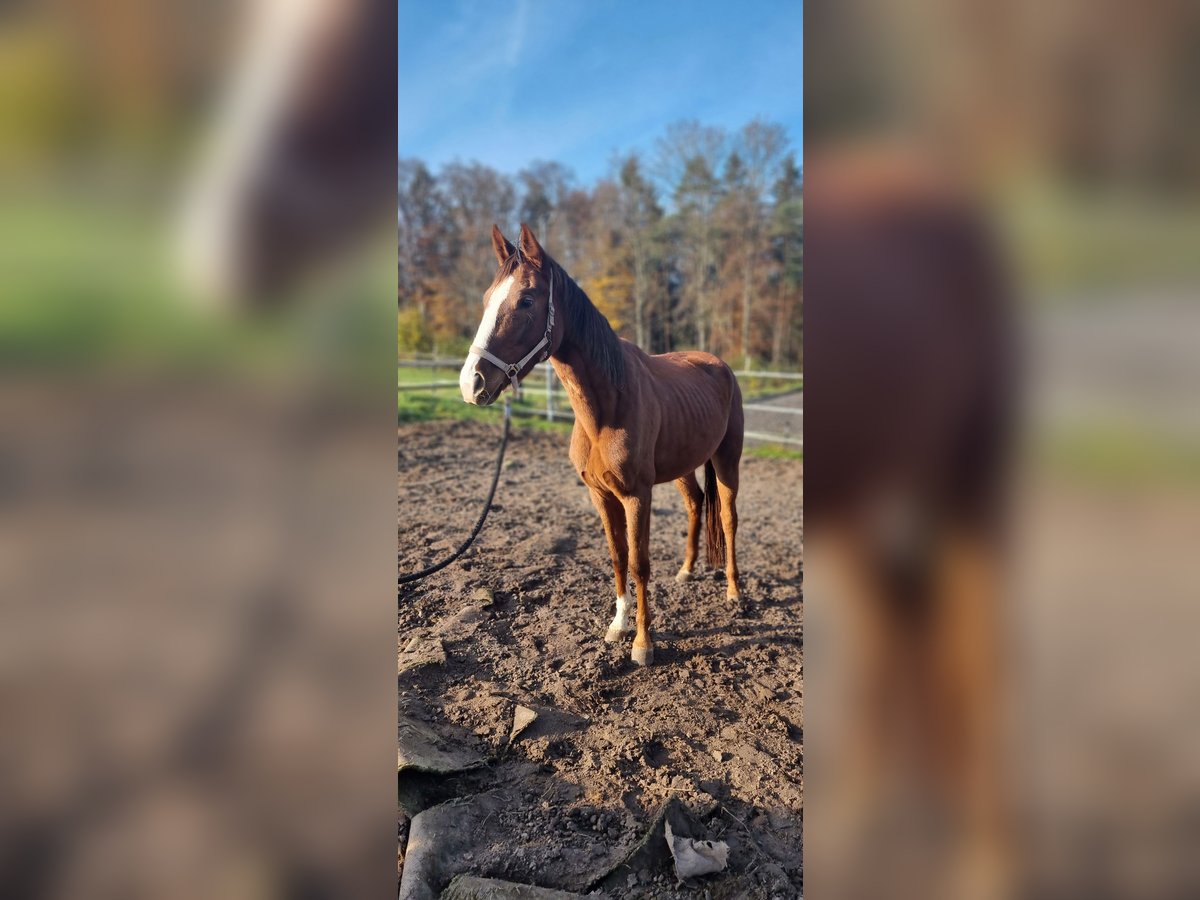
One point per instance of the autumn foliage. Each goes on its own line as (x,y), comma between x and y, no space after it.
(697,245)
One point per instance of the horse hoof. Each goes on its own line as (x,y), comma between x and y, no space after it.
(613,635)
(684,575)
(643,656)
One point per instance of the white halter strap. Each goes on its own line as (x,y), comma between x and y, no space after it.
(512,370)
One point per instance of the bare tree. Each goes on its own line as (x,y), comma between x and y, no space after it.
(546,186)
(477,196)
(640,214)
(700,246)
(759,146)
(682,143)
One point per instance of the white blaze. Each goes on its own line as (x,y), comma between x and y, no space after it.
(495,300)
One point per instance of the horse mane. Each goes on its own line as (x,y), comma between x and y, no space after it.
(589,330)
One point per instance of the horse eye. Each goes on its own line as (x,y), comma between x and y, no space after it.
(525,303)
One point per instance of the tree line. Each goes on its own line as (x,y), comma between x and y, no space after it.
(698,244)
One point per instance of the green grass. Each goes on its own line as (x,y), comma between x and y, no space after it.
(412,375)
(775,451)
(90,280)
(1121,456)
(423,406)
(755,389)
(445,403)
(83,283)
(1074,243)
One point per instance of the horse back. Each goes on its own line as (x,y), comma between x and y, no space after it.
(696,372)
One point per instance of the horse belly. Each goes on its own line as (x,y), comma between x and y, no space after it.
(685,447)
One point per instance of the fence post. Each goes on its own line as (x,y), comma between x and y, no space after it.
(549,393)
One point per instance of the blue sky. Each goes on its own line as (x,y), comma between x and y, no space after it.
(507,82)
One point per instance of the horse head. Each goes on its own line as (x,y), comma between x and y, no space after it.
(517,329)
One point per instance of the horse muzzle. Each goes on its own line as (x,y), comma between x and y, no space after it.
(474,388)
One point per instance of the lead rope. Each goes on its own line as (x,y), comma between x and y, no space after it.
(487,505)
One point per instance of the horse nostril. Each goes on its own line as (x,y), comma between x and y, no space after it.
(479,389)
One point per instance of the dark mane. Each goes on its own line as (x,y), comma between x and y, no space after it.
(589,330)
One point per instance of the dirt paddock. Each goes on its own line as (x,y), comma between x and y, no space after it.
(716,722)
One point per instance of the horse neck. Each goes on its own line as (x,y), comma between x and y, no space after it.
(589,389)
(585,386)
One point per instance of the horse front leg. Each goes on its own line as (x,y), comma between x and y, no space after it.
(612,515)
(637,517)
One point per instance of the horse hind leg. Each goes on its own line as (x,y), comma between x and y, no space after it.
(726,462)
(693,501)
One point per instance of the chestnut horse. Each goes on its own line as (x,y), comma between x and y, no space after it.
(640,420)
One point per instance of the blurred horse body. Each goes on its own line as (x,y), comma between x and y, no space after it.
(910,335)
(640,420)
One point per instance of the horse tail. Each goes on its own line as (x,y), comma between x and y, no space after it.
(715,536)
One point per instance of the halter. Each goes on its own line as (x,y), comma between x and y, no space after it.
(513,369)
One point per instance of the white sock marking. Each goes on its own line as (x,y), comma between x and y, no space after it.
(620,621)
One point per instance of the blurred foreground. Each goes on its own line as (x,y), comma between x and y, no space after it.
(1002,450)
(197,580)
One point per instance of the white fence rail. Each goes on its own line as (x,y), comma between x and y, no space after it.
(541,384)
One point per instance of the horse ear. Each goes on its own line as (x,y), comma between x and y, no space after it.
(500,245)
(530,248)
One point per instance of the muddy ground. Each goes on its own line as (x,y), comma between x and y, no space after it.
(717,721)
